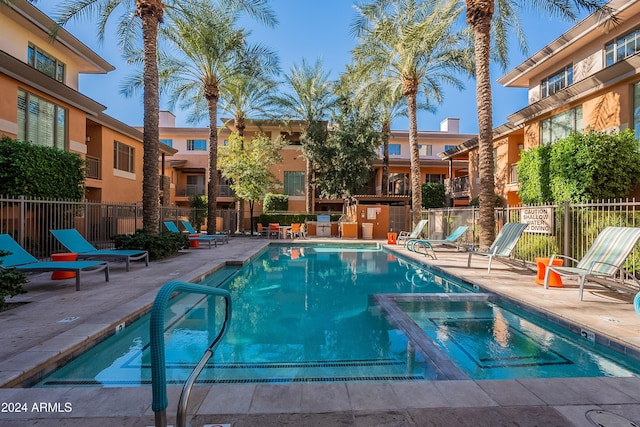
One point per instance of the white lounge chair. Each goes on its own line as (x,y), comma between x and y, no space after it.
(603,260)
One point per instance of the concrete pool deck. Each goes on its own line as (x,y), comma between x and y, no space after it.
(58,323)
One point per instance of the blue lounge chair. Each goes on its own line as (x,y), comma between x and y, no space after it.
(74,242)
(603,260)
(425,246)
(415,234)
(221,237)
(192,238)
(503,245)
(22,260)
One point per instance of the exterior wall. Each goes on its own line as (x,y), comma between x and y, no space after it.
(8,107)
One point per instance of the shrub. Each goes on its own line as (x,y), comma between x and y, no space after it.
(11,281)
(199,209)
(433,195)
(159,246)
(275,202)
(533,176)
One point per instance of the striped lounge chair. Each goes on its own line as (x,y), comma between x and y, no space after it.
(603,260)
(503,245)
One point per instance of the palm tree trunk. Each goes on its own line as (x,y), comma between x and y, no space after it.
(309,187)
(211,94)
(240,125)
(386,131)
(151,18)
(411,92)
(479,13)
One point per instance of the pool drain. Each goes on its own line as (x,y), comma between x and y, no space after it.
(601,418)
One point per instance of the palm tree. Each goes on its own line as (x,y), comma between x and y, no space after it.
(151,14)
(310,99)
(204,50)
(412,43)
(247,95)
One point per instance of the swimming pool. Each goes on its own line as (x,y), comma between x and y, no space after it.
(306,313)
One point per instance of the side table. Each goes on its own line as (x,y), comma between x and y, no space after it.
(555,280)
(61,257)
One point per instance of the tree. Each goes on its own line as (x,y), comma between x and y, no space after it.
(310,99)
(413,43)
(151,15)
(247,165)
(205,50)
(379,97)
(249,95)
(343,165)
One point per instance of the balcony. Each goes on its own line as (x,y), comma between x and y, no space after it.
(458,188)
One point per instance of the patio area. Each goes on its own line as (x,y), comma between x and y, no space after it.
(58,323)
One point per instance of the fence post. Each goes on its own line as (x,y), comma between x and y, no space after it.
(21,221)
(567,227)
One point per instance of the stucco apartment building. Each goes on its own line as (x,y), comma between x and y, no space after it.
(40,102)
(588,78)
(188,168)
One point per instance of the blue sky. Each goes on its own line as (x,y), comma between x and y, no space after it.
(311,29)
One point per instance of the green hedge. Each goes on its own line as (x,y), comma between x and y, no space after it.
(160,246)
(288,219)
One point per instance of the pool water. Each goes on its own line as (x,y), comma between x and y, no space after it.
(308,313)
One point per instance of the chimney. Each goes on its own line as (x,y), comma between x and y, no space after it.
(167,119)
(450,125)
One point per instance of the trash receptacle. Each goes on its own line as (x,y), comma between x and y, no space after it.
(367,231)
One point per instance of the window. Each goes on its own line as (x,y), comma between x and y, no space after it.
(123,157)
(41,121)
(168,142)
(636,109)
(434,177)
(399,184)
(394,149)
(561,125)
(557,82)
(425,150)
(621,48)
(46,63)
(294,183)
(449,147)
(196,144)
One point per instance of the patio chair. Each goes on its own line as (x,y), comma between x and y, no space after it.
(261,231)
(274,230)
(425,246)
(602,261)
(294,231)
(192,237)
(503,245)
(224,238)
(23,261)
(415,234)
(74,242)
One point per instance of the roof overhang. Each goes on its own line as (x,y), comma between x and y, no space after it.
(32,78)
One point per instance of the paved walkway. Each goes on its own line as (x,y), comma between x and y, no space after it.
(58,323)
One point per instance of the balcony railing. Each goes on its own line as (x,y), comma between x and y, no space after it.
(201,190)
(93,167)
(458,186)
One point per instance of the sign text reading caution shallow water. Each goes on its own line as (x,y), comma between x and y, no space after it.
(540,220)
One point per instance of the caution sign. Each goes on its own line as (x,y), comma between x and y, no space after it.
(540,220)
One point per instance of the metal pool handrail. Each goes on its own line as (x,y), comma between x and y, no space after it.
(158,368)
